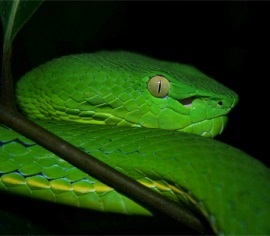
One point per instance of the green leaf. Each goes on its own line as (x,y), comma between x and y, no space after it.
(14,14)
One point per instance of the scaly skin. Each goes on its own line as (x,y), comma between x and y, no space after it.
(111,88)
(226,185)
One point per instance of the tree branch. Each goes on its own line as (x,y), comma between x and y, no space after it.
(100,170)
(10,117)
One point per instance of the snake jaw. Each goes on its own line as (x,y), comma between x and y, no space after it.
(207,128)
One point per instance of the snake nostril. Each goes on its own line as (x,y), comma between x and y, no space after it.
(220,103)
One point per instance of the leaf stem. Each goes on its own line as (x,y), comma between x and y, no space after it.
(7,96)
(6,82)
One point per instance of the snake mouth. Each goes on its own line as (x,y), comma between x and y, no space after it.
(207,128)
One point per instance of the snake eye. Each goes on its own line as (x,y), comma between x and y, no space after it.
(159,86)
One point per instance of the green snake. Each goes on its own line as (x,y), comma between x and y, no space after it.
(128,110)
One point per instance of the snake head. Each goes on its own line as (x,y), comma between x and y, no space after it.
(123,88)
(188,100)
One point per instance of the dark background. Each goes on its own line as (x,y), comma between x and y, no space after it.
(227,40)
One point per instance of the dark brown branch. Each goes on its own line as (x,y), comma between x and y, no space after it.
(11,118)
(99,170)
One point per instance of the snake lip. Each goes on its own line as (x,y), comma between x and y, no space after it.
(215,126)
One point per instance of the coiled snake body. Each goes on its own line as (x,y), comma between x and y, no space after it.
(129,110)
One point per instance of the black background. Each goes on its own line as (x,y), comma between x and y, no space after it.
(227,40)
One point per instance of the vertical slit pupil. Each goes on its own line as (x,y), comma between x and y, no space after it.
(159,86)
